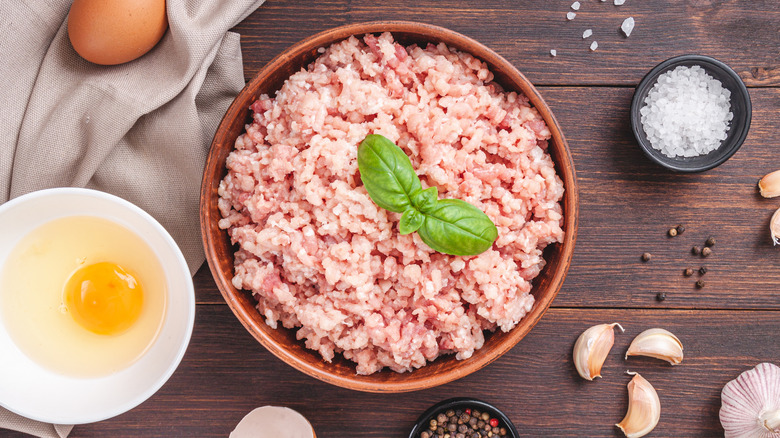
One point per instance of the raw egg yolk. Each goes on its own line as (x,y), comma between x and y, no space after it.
(103,298)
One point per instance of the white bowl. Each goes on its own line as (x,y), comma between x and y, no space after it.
(35,392)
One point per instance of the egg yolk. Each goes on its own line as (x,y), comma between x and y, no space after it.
(103,298)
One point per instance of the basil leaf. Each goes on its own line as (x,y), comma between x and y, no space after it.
(411,221)
(458,228)
(387,173)
(425,200)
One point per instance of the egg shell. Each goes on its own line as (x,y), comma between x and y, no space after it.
(110,32)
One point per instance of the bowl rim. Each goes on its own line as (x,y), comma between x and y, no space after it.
(419,424)
(570,199)
(652,75)
(179,271)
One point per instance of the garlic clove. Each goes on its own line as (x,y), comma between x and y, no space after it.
(592,348)
(774,227)
(657,343)
(644,408)
(769,185)
(750,404)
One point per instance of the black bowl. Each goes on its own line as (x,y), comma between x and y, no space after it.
(462,403)
(738,127)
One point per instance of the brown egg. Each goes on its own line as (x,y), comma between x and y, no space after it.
(111,32)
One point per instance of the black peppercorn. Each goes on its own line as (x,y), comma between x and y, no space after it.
(450,413)
(706,251)
(452,427)
(688,272)
(703,270)
(433,423)
(672,232)
(695,250)
(680,229)
(425,434)
(661,296)
(480,424)
(440,430)
(710,241)
(441,418)
(646,257)
(700,284)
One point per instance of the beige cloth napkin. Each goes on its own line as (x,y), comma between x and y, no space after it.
(140,130)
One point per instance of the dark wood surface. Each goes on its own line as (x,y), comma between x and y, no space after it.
(626,206)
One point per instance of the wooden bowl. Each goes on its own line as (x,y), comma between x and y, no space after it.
(282,342)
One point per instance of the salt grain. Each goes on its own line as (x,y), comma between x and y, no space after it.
(553,52)
(587,33)
(575,6)
(627,26)
(593,46)
(570,15)
(619,2)
(686,113)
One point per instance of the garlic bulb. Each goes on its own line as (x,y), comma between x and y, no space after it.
(750,404)
(774,227)
(657,343)
(592,348)
(644,408)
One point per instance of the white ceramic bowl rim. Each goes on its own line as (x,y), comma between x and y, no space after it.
(34,392)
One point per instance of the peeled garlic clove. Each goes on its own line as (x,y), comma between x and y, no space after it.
(592,348)
(750,404)
(774,227)
(657,343)
(644,408)
(769,186)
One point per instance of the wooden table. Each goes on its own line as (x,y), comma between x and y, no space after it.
(627,205)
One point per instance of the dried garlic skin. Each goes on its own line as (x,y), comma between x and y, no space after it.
(774,227)
(592,348)
(750,404)
(644,408)
(769,185)
(658,343)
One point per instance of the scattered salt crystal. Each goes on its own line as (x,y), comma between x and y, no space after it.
(575,6)
(553,52)
(686,113)
(587,33)
(570,15)
(619,2)
(593,46)
(627,26)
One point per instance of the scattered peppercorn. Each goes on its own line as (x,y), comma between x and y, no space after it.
(703,270)
(695,250)
(680,229)
(710,241)
(706,251)
(672,232)
(700,284)
(646,257)
(661,296)
(688,272)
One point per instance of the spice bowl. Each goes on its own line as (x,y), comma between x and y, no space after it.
(467,407)
(738,128)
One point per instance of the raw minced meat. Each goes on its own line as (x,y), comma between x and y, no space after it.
(320,257)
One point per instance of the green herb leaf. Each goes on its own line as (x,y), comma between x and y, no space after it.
(458,228)
(425,200)
(450,226)
(411,221)
(387,173)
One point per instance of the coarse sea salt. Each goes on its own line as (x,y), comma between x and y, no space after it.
(570,15)
(627,26)
(575,6)
(553,52)
(619,2)
(686,113)
(587,33)
(593,46)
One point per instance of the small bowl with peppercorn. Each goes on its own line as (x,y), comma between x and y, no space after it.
(690,113)
(463,418)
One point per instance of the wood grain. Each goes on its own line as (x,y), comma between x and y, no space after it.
(741,33)
(226,373)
